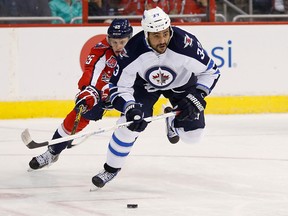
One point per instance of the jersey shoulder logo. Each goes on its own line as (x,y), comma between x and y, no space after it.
(111,62)
(188,41)
(100,45)
(160,77)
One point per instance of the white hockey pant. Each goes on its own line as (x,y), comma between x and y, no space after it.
(190,137)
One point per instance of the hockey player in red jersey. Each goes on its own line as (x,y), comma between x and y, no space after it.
(93,96)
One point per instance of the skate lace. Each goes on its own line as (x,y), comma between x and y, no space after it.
(106,176)
(46,158)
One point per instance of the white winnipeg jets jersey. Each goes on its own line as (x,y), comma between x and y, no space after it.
(184,57)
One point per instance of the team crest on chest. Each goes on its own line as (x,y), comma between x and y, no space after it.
(188,41)
(160,77)
(111,62)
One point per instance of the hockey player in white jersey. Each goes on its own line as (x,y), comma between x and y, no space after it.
(160,60)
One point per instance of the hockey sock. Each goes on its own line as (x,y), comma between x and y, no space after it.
(58,148)
(120,145)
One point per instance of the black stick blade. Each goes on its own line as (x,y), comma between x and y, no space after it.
(31,144)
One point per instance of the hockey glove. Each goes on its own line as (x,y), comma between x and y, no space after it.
(105,91)
(190,107)
(87,98)
(134,113)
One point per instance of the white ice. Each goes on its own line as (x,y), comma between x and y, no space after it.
(239,169)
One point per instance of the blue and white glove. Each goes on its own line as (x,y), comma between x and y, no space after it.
(189,108)
(87,98)
(134,113)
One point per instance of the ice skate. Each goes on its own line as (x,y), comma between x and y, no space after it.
(172,135)
(43,160)
(103,177)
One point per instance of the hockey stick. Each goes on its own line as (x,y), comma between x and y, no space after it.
(31,144)
(76,123)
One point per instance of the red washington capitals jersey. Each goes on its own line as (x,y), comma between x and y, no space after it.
(99,66)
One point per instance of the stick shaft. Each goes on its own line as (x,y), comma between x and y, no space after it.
(30,143)
(77,119)
(103,130)
(76,123)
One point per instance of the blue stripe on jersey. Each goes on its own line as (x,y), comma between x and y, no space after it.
(217,71)
(211,64)
(203,87)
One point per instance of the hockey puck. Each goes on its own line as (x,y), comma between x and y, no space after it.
(132,205)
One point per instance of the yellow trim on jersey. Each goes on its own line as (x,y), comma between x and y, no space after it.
(215,105)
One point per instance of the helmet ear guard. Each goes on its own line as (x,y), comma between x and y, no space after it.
(120,28)
(155,20)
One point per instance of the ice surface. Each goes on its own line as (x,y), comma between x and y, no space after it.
(239,169)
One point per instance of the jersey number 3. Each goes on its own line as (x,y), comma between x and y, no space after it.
(200,51)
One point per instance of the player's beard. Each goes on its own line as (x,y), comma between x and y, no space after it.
(161,48)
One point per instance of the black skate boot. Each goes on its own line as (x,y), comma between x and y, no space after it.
(43,160)
(104,176)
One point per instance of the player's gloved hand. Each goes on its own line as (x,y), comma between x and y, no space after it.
(134,113)
(87,98)
(105,97)
(105,91)
(190,107)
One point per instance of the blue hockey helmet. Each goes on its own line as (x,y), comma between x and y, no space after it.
(120,28)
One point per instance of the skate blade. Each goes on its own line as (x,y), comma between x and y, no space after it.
(94,188)
(30,170)
(42,168)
